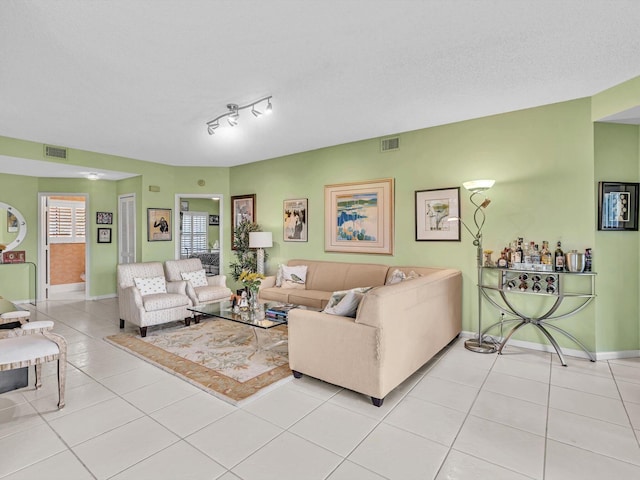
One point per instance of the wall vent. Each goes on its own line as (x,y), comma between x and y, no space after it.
(55,152)
(390,144)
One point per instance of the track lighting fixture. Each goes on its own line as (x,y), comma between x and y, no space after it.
(233,115)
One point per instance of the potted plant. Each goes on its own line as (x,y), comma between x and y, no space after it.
(245,257)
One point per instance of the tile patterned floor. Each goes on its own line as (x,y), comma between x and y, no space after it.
(462,416)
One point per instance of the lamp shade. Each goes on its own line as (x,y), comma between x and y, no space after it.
(260,240)
(478,185)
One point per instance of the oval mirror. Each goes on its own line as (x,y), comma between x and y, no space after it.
(13,227)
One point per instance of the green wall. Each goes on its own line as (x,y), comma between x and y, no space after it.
(546,162)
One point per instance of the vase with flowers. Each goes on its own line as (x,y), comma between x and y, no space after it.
(252,281)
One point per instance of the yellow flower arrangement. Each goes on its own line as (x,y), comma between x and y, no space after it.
(251,280)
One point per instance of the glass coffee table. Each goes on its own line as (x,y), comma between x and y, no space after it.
(253,318)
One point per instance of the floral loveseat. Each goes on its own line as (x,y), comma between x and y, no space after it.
(397,327)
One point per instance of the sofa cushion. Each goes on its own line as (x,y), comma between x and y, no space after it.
(198,278)
(336,297)
(274,294)
(211,293)
(151,285)
(291,285)
(311,298)
(163,301)
(347,306)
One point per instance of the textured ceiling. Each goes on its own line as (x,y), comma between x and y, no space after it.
(140,78)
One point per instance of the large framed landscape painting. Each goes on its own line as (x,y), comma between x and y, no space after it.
(434,209)
(359,217)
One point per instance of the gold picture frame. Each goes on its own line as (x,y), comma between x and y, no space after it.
(359,217)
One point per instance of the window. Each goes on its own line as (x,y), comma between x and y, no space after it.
(194,237)
(67,222)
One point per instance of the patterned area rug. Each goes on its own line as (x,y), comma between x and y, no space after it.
(232,361)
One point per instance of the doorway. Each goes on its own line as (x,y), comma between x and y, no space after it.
(198,229)
(127,228)
(63,248)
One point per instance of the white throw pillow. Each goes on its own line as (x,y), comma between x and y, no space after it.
(279,276)
(198,278)
(396,277)
(296,274)
(150,285)
(339,295)
(348,306)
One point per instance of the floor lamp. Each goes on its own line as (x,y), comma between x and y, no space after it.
(260,240)
(477,187)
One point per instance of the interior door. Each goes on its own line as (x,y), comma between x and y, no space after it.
(127,228)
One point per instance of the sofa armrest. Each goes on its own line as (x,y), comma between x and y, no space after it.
(268,282)
(177,287)
(217,281)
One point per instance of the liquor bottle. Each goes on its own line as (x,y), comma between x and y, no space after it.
(545,255)
(517,255)
(535,255)
(588,259)
(526,254)
(559,258)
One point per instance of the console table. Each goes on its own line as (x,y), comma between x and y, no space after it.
(537,284)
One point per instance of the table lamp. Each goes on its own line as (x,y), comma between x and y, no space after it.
(260,241)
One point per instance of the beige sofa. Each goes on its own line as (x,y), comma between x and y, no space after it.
(397,328)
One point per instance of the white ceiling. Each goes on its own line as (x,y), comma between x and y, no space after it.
(140,78)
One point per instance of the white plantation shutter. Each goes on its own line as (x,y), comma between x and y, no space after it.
(67,222)
(194,238)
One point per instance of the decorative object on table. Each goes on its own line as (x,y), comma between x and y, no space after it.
(234,371)
(480,202)
(260,241)
(104,218)
(488,261)
(184,206)
(158,224)
(618,206)
(359,217)
(13,256)
(588,259)
(245,256)
(214,220)
(104,235)
(251,282)
(433,209)
(243,210)
(295,220)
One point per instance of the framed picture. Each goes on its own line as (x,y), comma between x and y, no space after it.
(104,235)
(243,208)
(359,217)
(158,224)
(617,206)
(433,210)
(295,220)
(12,222)
(184,206)
(214,220)
(104,218)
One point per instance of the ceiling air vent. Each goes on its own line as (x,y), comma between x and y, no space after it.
(55,152)
(389,144)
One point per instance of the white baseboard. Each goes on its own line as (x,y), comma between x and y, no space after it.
(104,297)
(566,351)
(67,287)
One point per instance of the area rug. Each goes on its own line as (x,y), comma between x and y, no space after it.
(232,361)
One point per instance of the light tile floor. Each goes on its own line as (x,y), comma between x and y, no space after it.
(462,416)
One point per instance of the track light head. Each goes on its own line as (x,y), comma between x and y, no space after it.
(256,113)
(269,109)
(232,115)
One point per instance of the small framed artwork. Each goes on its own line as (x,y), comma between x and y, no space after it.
(618,206)
(158,224)
(295,220)
(12,222)
(434,209)
(359,217)
(184,206)
(104,218)
(214,220)
(243,209)
(104,235)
